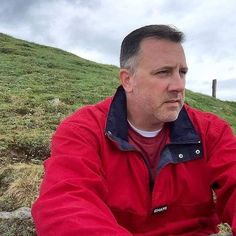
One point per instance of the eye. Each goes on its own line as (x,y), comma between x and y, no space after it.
(183,71)
(163,72)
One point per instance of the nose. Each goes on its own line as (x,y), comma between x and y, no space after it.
(177,82)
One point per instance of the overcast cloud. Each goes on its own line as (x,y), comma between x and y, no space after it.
(94,29)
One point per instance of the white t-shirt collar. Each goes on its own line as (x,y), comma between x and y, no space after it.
(146,134)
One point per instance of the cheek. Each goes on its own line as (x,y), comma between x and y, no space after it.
(158,93)
(154,100)
(150,92)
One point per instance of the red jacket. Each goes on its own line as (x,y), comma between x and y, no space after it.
(96,183)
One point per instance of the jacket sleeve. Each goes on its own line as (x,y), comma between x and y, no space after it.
(221,152)
(73,193)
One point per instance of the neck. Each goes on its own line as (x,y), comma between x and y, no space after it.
(147,134)
(141,120)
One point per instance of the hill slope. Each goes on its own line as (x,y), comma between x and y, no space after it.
(39,86)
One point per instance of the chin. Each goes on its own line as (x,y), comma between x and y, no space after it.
(171,117)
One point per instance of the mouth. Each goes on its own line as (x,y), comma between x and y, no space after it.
(173,101)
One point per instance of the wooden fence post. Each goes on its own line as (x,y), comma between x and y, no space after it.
(214,88)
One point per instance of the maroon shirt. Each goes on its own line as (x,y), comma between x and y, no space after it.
(150,147)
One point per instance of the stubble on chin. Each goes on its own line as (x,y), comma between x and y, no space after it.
(168,113)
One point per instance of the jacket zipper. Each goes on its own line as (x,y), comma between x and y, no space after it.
(146,162)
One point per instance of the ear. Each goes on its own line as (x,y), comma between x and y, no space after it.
(126,80)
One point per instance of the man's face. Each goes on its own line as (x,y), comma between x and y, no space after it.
(158,84)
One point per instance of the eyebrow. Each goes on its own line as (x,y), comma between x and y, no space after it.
(153,72)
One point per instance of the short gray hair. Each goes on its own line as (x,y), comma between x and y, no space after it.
(131,43)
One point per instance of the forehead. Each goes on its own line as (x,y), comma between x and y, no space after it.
(161,50)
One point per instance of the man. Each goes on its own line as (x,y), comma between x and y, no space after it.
(142,162)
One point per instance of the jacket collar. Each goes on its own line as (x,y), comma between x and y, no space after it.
(181,130)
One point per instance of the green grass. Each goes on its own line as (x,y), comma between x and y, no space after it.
(39,86)
(17,227)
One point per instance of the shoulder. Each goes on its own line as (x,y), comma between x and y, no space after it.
(202,116)
(86,121)
(87,113)
(207,122)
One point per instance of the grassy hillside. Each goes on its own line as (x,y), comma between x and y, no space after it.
(39,86)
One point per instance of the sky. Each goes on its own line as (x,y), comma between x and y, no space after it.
(94,29)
